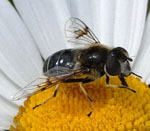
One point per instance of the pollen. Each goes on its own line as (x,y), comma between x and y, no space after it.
(114,109)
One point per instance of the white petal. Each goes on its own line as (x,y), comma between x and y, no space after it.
(118,23)
(148,79)
(45,19)
(8,88)
(20,59)
(129,24)
(142,64)
(8,111)
(98,15)
(114,22)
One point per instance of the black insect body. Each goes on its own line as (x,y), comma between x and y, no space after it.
(61,62)
(94,60)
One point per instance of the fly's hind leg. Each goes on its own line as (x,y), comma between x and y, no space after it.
(88,97)
(81,81)
(53,95)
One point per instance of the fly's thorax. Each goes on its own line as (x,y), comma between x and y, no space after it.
(92,57)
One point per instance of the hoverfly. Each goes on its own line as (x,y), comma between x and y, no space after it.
(93,60)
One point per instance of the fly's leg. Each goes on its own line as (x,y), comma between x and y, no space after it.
(107,80)
(88,97)
(53,95)
(83,80)
(123,81)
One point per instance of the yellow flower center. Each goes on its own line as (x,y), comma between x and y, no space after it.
(114,109)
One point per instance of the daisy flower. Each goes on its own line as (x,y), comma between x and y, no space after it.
(30,31)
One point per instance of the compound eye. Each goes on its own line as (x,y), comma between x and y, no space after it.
(112,65)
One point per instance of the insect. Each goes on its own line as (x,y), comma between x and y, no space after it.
(94,60)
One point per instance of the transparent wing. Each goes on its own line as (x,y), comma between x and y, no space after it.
(29,88)
(77,32)
(44,84)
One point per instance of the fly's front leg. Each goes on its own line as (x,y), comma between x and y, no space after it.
(123,82)
(107,80)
